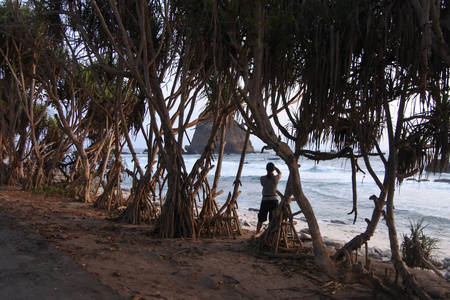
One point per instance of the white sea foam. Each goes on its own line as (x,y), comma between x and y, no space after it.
(327,185)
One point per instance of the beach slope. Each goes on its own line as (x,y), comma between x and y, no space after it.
(57,246)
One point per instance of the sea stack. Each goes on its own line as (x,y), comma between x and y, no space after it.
(234,137)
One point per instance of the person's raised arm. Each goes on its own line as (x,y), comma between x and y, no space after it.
(278,173)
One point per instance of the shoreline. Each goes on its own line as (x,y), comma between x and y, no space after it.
(337,234)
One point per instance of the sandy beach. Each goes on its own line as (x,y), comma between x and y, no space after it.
(125,261)
(338,233)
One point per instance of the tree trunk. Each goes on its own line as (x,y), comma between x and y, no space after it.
(321,256)
(390,179)
(265,132)
(177,217)
(86,185)
(141,209)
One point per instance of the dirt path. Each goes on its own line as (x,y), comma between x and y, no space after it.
(32,268)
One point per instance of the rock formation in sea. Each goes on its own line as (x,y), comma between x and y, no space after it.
(235,137)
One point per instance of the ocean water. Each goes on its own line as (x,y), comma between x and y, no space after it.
(327,185)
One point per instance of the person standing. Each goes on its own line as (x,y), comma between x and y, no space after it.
(269,199)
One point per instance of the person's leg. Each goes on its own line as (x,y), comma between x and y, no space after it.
(258,227)
(262,216)
(273,206)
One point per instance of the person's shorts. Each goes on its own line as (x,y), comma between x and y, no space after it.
(267,206)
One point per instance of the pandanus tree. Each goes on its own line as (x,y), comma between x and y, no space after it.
(102,31)
(388,86)
(361,64)
(263,82)
(348,62)
(264,64)
(210,61)
(200,78)
(40,143)
(17,68)
(147,42)
(210,219)
(354,80)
